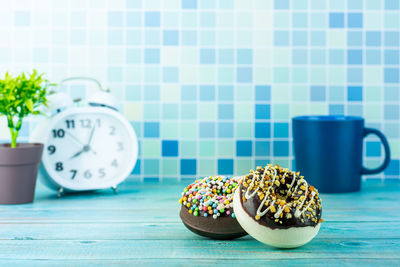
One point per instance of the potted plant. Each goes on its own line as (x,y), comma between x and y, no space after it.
(20,96)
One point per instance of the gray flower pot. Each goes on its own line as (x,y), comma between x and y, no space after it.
(18,172)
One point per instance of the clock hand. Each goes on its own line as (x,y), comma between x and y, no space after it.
(91,135)
(77,154)
(74,138)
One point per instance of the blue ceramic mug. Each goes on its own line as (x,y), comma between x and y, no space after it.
(328,151)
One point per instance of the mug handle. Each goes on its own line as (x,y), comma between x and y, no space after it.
(385,144)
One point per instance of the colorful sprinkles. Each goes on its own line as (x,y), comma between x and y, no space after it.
(210,196)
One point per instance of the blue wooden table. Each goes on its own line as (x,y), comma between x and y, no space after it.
(141,225)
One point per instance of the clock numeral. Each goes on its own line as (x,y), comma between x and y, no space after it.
(51,149)
(59,166)
(86,123)
(120,146)
(70,124)
(98,122)
(102,173)
(114,163)
(87,174)
(112,130)
(74,172)
(58,133)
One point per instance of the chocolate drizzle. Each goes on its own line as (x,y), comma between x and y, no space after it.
(279,198)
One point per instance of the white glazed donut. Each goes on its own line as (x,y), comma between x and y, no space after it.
(278,207)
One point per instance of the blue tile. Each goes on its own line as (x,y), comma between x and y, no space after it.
(207,129)
(299,20)
(225,111)
(262,112)
(318,56)
(152,55)
(355,110)
(40,55)
(115,19)
(244,56)
(355,38)
(318,38)
(225,130)
(225,166)
(171,37)
(393,168)
(354,20)
(133,3)
(244,148)
(226,56)
(170,148)
(263,93)
(281,38)
(133,55)
(152,19)
(336,109)
(78,37)
(336,20)
(136,170)
(133,92)
(391,4)
(299,38)
(244,75)
(207,19)
(262,130)
(170,74)
(188,167)
(354,75)
(373,38)
(300,56)
(151,92)
(318,93)
(170,111)
(391,75)
(225,92)
(354,93)
(78,19)
(22,18)
(355,4)
(151,129)
(391,93)
(152,38)
(281,4)
(207,56)
(391,57)
(391,112)
(281,148)
(263,148)
(189,4)
(207,93)
(391,39)
(336,56)
(373,149)
(373,57)
(189,38)
(354,57)
(114,74)
(188,111)
(134,19)
(281,130)
(188,93)
(115,37)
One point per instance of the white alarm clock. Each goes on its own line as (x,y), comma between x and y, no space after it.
(86,148)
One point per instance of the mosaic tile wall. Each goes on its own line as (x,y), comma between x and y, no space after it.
(210,86)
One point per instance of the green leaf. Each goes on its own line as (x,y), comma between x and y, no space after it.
(29,104)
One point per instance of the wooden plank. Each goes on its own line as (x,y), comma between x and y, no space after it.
(174,231)
(202,249)
(203,262)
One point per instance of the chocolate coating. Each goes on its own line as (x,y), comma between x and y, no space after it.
(280,191)
(225,227)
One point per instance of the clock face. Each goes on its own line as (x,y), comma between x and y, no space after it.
(89,150)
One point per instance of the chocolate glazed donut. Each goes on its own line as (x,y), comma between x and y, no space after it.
(207,208)
(278,207)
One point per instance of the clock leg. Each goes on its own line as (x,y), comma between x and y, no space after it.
(60,192)
(115,189)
